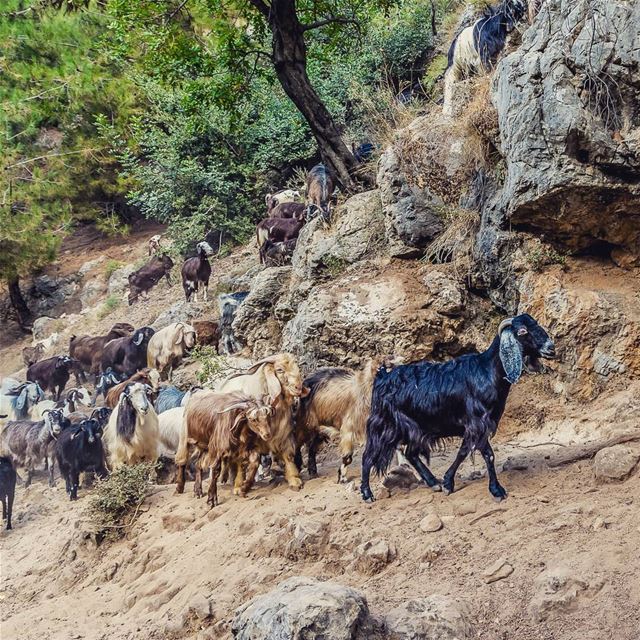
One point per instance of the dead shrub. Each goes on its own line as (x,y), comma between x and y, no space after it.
(457,242)
(116,501)
(479,127)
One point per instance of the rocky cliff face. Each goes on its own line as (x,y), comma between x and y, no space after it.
(528,201)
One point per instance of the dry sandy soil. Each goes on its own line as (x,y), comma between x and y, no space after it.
(572,543)
(556,520)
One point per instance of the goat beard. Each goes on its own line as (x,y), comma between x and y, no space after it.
(533,365)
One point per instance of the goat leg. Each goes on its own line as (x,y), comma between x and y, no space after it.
(252,469)
(496,489)
(291,471)
(239,478)
(180,478)
(429,479)
(75,483)
(197,485)
(10,497)
(367,463)
(212,495)
(51,472)
(312,465)
(448,481)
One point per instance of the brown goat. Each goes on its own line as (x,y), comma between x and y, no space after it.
(279,378)
(288,210)
(339,399)
(88,350)
(207,332)
(277,230)
(215,423)
(145,376)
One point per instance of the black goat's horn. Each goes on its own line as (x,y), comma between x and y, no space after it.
(504,325)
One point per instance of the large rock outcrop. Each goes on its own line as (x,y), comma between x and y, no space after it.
(306,609)
(570,127)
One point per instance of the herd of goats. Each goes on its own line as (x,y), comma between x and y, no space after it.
(269,411)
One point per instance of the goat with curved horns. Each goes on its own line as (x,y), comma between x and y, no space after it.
(421,403)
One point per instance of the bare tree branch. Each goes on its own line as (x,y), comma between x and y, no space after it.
(330,20)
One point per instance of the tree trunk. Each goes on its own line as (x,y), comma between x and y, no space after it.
(18,303)
(290,62)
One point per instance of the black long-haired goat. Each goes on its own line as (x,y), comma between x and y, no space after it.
(420,403)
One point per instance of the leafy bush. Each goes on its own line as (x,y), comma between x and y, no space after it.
(213,366)
(115,502)
(111,267)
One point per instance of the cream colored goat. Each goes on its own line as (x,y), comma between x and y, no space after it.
(168,346)
(131,435)
(277,377)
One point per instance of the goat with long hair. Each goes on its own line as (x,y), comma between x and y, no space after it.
(131,435)
(223,427)
(339,400)
(421,403)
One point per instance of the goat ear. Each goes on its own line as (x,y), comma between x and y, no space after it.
(305,392)
(139,339)
(240,418)
(22,399)
(180,333)
(510,355)
(273,384)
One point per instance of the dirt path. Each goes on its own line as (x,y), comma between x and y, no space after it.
(556,520)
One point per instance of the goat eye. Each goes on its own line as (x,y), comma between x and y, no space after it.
(522,331)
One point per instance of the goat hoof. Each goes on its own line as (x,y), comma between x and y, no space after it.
(369,500)
(439,487)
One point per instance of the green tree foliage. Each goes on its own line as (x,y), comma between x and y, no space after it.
(54,80)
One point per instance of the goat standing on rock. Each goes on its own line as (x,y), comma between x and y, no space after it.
(421,403)
(197,271)
(52,374)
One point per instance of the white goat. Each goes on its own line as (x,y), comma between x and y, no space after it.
(170,426)
(131,435)
(168,346)
(272,200)
(78,396)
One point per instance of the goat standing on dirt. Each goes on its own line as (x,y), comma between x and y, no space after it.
(51,374)
(339,399)
(127,355)
(213,423)
(27,442)
(196,272)
(7,488)
(131,436)
(421,403)
(277,377)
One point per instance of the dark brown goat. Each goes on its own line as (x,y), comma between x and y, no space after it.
(88,350)
(148,276)
(127,355)
(51,374)
(197,271)
(207,332)
(288,210)
(277,230)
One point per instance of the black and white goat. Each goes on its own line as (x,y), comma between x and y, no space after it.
(476,47)
(421,403)
(79,449)
(197,271)
(106,381)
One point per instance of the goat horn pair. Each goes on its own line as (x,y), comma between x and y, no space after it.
(505,324)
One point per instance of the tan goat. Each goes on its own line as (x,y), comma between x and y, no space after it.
(279,378)
(223,427)
(339,400)
(168,346)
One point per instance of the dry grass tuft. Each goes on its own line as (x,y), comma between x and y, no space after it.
(457,242)
(479,126)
